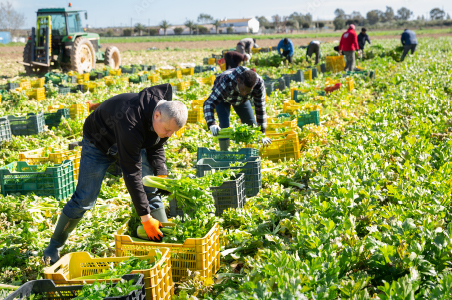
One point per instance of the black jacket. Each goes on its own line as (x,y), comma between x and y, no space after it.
(362,38)
(121,126)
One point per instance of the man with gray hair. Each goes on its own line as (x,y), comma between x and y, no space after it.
(130,129)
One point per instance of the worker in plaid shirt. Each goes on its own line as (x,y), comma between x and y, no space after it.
(239,87)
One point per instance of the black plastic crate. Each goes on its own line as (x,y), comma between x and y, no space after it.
(63,90)
(5,130)
(128,70)
(323,68)
(201,69)
(46,289)
(251,168)
(54,119)
(314,73)
(71,146)
(31,124)
(11,86)
(240,155)
(231,194)
(298,77)
(72,79)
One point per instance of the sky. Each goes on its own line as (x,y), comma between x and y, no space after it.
(104,13)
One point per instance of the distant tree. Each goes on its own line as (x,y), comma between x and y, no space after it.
(374,16)
(178,30)
(191,25)
(305,25)
(164,25)
(263,22)
(292,24)
(10,19)
(448,17)
(339,13)
(321,25)
(389,14)
(205,18)
(153,31)
(217,24)
(437,14)
(229,30)
(139,28)
(339,23)
(109,33)
(276,21)
(127,32)
(404,13)
(202,30)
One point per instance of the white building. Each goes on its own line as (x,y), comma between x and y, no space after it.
(248,25)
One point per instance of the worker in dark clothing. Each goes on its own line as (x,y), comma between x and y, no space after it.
(362,39)
(237,87)
(130,129)
(245,45)
(234,59)
(313,48)
(286,46)
(409,42)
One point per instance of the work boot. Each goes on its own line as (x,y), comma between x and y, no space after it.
(159,214)
(63,228)
(224,144)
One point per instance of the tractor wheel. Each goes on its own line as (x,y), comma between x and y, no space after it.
(83,57)
(34,70)
(112,57)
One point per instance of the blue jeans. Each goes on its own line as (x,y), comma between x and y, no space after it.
(244,111)
(93,166)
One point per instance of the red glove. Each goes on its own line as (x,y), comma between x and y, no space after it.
(152,228)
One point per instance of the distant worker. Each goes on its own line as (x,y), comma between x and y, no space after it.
(362,39)
(245,45)
(238,87)
(348,45)
(286,46)
(234,59)
(313,48)
(409,42)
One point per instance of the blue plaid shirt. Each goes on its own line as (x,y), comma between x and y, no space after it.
(225,89)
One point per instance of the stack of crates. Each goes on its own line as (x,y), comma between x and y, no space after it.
(38,94)
(154,77)
(273,124)
(56,156)
(31,124)
(291,107)
(79,110)
(284,146)
(21,178)
(312,118)
(25,84)
(195,115)
(5,130)
(38,83)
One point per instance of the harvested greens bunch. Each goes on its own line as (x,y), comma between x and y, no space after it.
(241,133)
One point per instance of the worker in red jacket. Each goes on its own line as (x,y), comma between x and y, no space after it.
(348,45)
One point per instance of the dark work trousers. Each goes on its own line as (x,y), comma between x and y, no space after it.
(406,49)
(286,55)
(314,49)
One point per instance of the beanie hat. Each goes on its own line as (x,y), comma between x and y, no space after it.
(352,27)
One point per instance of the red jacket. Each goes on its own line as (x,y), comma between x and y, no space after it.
(349,41)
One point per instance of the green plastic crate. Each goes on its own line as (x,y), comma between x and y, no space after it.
(311,118)
(21,178)
(240,155)
(54,119)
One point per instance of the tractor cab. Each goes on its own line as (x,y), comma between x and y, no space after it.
(60,41)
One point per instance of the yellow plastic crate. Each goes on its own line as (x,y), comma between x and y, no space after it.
(291,107)
(38,83)
(158,281)
(255,50)
(109,80)
(114,72)
(37,94)
(195,254)
(273,125)
(206,80)
(350,84)
(330,81)
(25,84)
(83,77)
(284,146)
(180,132)
(90,86)
(56,156)
(197,103)
(223,67)
(182,86)
(0,98)
(79,110)
(212,61)
(125,79)
(308,75)
(297,89)
(168,74)
(188,71)
(154,77)
(195,115)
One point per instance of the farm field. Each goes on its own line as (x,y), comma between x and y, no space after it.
(363,212)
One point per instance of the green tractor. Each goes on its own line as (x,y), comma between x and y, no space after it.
(60,42)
